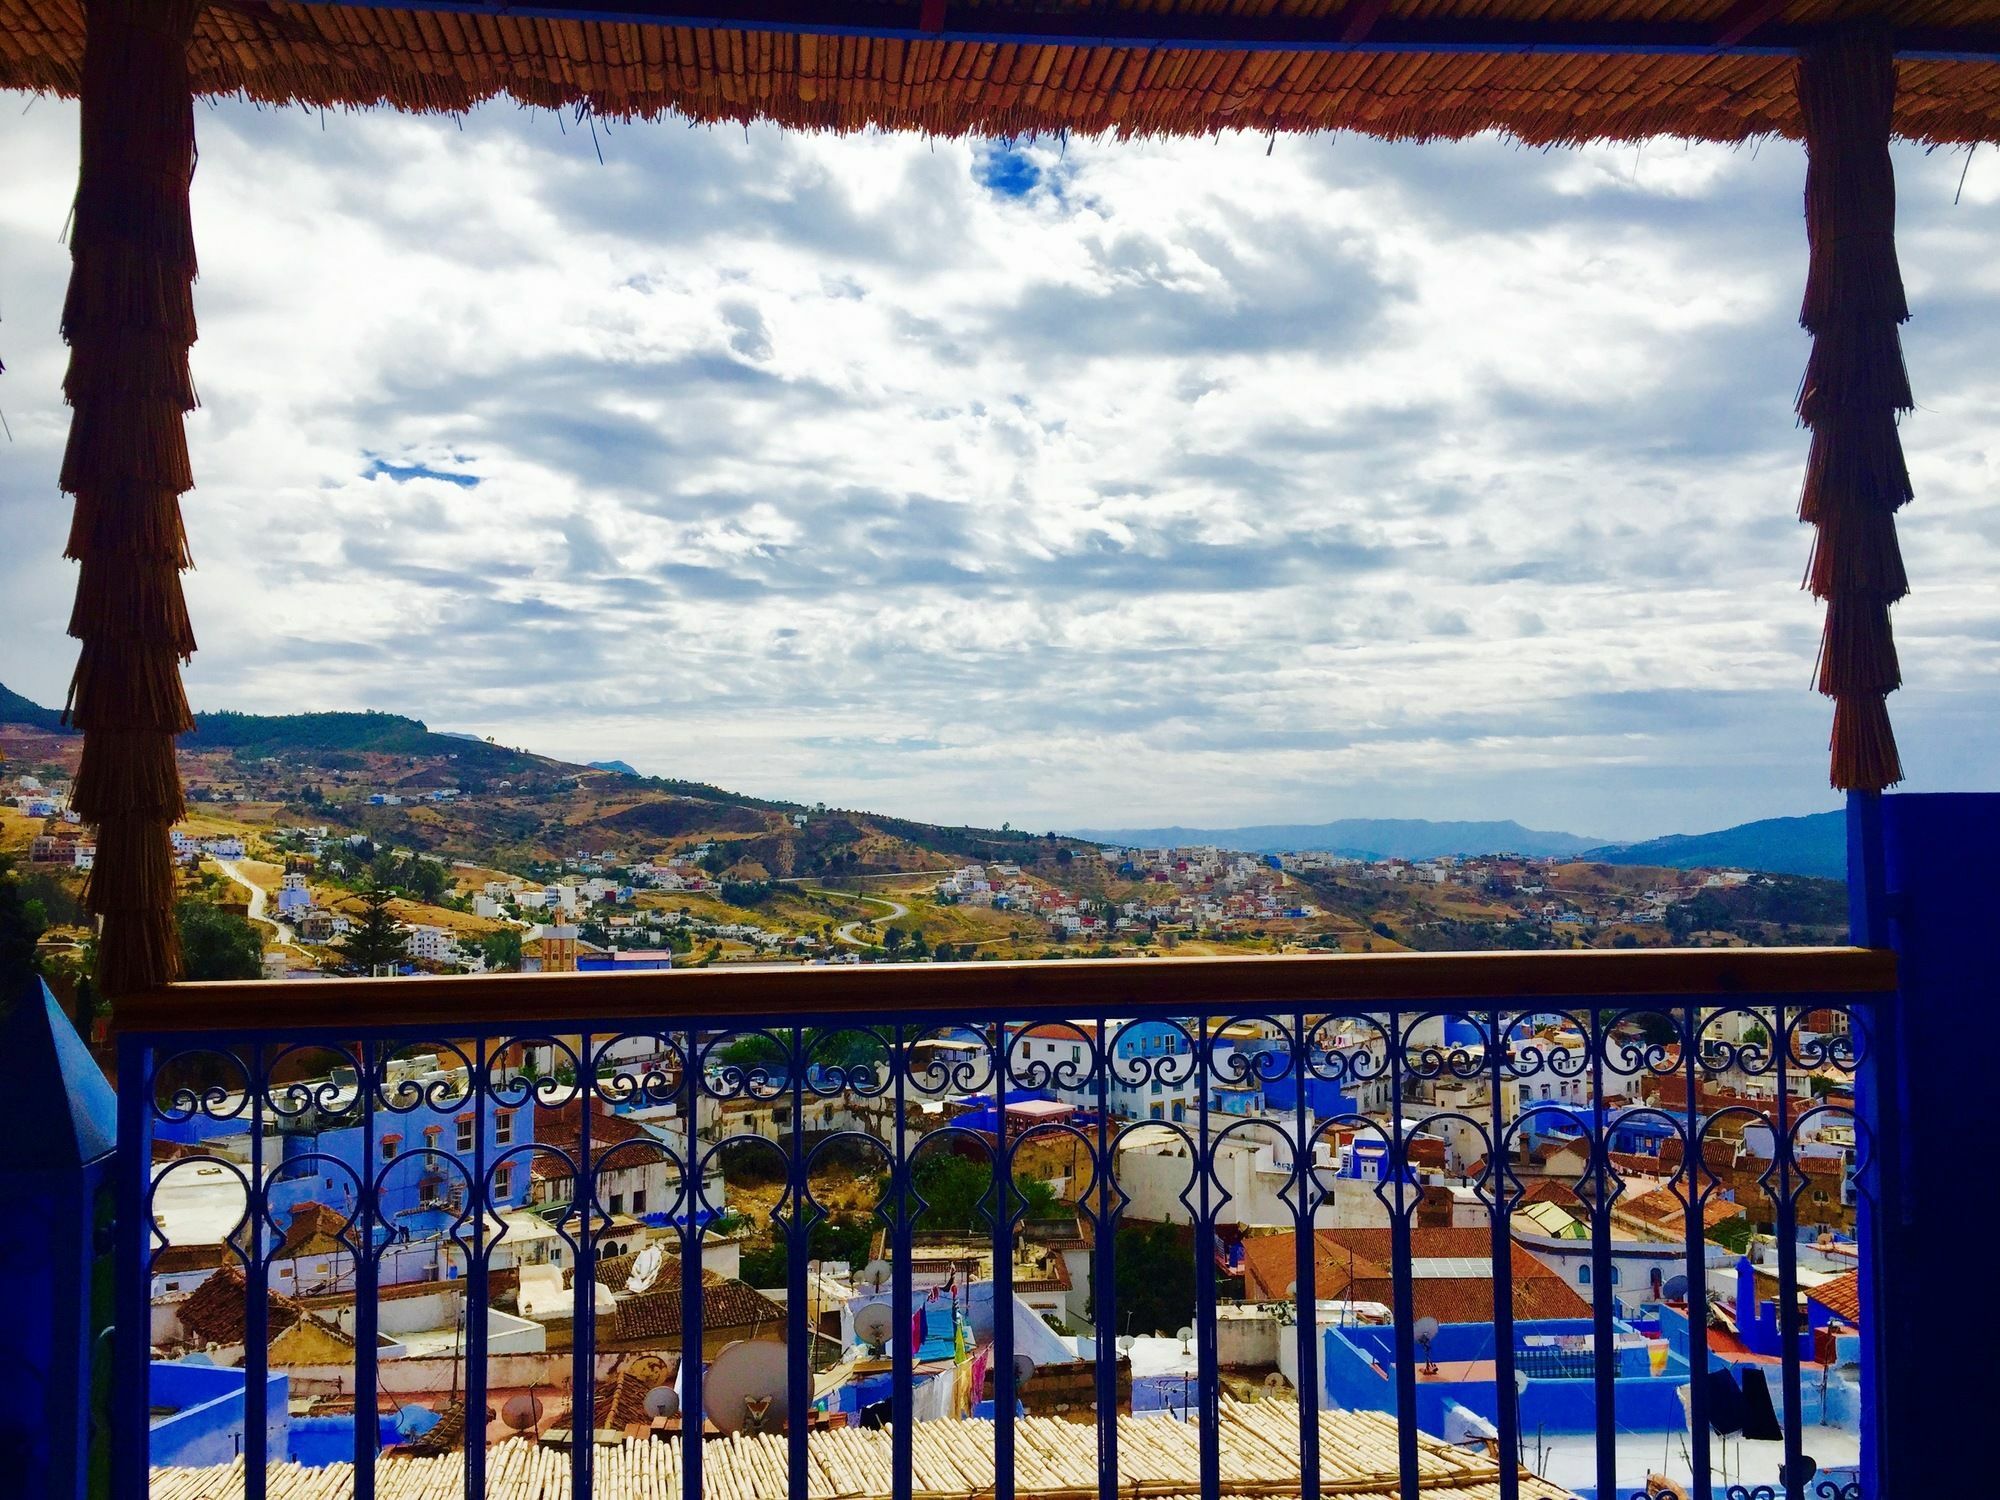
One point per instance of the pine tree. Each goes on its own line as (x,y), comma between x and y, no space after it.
(375,939)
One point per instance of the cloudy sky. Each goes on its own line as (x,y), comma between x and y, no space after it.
(1082,483)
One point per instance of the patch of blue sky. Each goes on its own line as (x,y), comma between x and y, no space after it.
(381,468)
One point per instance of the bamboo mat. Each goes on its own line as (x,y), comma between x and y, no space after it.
(1158,1459)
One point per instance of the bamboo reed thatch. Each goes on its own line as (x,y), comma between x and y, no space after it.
(129,320)
(333,55)
(1854,389)
(1054,1460)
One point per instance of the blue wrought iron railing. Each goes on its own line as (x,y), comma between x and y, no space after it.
(1378,1111)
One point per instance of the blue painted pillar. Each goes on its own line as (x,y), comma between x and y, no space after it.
(1923,880)
(58,1116)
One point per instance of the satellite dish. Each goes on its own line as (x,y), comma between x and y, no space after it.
(1521,1384)
(522,1411)
(745,1389)
(1186,1335)
(1274,1384)
(1676,1289)
(875,1275)
(1024,1370)
(645,1269)
(663,1401)
(875,1323)
(1125,1342)
(198,1359)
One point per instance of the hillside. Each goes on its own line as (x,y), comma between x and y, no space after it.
(1812,845)
(1363,838)
(14,709)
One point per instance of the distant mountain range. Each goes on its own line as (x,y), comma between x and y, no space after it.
(1365,838)
(1814,845)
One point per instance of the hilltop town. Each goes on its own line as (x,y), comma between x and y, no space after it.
(480,857)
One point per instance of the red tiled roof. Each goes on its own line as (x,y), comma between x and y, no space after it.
(728,1305)
(316,1229)
(1840,1296)
(1355,1264)
(559,1126)
(215,1311)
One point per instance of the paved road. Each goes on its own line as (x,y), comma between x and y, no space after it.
(258,901)
(846,931)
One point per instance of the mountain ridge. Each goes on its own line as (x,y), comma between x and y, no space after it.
(1814,844)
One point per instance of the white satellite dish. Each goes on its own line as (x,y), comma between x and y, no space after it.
(875,1276)
(1024,1370)
(645,1269)
(1125,1342)
(1186,1336)
(745,1389)
(1424,1330)
(875,1324)
(522,1411)
(1274,1384)
(663,1401)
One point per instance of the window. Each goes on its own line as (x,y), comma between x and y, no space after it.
(464,1133)
(618,1203)
(388,1148)
(638,1200)
(503,1127)
(1076,1054)
(503,1181)
(1583,1275)
(1180,1110)
(1159,1112)
(1614,1276)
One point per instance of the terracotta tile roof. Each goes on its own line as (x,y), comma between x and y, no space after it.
(1551,1190)
(177,1258)
(1632,1164)
(214,1312)
(1840,1296)
(316,1229)
(725,1305)
(1355,1263)
(558,1126)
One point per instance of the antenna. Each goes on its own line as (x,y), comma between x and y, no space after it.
(522,1412)
(645,1269)
(663,1401)
(1425,1329)
(874,1324)
(745,1390)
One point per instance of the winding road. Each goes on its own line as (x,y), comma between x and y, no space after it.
(258,901)
(846,930)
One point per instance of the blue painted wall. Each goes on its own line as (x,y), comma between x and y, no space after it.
(206,1426)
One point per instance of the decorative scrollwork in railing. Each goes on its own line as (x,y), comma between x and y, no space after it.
(614,1182)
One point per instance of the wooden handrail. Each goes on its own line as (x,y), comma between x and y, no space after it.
(1118,986)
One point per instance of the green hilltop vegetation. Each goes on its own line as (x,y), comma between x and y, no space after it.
(14,709)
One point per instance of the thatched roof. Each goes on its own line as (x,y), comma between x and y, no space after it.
(1711,69)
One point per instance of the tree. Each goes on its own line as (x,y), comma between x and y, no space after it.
(893,940)
(19,931)
(1154,1278)
(427,879)
(502,949)
(217,944)
(958,1194)
(375,940)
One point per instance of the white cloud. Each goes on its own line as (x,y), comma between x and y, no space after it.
(1066,483)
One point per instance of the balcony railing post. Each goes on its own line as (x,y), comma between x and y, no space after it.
(1499,1207)
(1208,1378)
(132,1339)
(478,1294)
(1002,1364)
(257,1281)
(693,1232)
(903,1349)
(800,1333)
(371,1064)
(1603,1298)
(1403,1292)
(1305,1295)
(1695,1196)
(1103,1264)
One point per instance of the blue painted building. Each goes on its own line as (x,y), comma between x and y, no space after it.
(197,1415)
(1557,1397)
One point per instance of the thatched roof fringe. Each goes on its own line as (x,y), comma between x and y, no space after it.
(1855,387)
(129,319)
(335,55)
